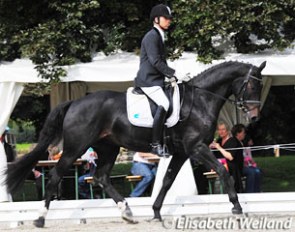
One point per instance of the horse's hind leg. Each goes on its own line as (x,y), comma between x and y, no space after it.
(55,175)
(106,158)
(202,153)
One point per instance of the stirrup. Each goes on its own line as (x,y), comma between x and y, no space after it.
(166,153)
(157,149)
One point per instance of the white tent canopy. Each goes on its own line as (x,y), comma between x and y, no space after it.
(123,66)
(10,93)
(117,72)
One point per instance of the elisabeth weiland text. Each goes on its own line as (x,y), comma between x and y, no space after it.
(230,223)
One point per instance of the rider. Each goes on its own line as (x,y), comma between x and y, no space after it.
(153,70)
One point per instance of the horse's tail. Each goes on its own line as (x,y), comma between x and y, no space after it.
(51,132)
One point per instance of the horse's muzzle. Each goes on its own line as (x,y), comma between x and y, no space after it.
(254,119)
(254,114)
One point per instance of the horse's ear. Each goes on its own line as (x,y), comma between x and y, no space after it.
(262,66)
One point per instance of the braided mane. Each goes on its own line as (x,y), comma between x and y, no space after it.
(204,74)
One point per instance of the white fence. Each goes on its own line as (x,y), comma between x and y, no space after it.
(142,207)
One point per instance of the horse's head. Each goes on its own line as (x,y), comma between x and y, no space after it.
(247,90)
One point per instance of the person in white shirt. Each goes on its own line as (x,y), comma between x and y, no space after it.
(84,188)
(143,167)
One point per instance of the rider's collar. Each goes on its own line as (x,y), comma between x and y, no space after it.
(162,33)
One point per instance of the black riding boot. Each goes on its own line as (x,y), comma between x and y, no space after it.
(157,132)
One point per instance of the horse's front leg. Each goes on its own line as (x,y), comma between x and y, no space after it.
(202,153)
(174,166)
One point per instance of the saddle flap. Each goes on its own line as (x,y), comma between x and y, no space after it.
(139,111)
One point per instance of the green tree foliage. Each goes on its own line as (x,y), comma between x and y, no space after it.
(62,32)
(251,25)
(57,33)
(31,110)
(51,33)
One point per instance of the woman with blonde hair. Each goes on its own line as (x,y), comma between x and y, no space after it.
(234,158)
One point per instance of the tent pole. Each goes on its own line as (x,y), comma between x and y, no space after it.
(68,91)
(237,115)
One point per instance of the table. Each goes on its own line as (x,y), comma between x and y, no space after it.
(153,160)
(89,180)
(211,177)
(52,163)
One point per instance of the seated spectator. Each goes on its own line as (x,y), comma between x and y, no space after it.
(66,187)
(251,171)
(234,158)
(54,152)
(36,176)
(89,170)
(142,167)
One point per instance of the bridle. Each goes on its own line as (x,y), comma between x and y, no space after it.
(240,101)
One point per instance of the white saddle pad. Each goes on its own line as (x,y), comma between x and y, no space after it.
(139,110)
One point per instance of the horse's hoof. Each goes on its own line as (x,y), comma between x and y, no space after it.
(40,222)
(237,210)
(130,220)
(128,217)
(154,219)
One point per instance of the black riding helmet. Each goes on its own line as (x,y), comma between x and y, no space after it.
(160,10)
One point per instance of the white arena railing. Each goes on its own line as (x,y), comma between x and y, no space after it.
(142,207)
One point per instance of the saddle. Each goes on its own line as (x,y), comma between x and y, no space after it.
(140,109)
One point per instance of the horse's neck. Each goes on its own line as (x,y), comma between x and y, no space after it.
(219,81)
(217,84)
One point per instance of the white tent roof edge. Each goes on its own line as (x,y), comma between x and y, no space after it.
(123,66)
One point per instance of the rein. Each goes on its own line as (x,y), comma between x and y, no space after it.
(191,106)
(239,103)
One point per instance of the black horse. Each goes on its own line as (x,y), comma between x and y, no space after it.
(100,121)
